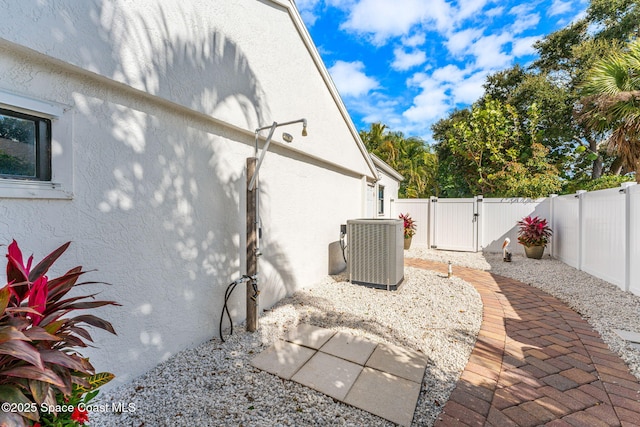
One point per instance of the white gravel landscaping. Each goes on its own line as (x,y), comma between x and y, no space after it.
(214,384)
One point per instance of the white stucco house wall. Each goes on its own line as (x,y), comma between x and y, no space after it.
(153,107)
(382,194)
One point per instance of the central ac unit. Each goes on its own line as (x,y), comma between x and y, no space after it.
(376,252)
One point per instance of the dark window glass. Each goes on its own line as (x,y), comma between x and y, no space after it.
(381,200)
(25,146)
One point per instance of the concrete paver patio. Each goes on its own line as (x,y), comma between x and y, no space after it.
(536,362)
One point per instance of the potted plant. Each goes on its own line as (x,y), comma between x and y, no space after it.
(533,234)
(409,229)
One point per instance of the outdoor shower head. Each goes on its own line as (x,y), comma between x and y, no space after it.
(287,137)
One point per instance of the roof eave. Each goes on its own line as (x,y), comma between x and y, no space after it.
(317,59)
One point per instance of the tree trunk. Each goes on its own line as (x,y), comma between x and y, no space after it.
(596,171)
(616,166)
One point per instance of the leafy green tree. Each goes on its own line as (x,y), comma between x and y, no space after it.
(611,105)
(616,19)
(452,169)
(498,154)
(569,53)
(522,89)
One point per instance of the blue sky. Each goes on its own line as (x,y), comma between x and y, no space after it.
(409,63)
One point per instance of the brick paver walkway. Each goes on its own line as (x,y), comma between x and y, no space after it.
(536,362)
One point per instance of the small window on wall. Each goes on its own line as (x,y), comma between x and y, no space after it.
(380,200)
(25,146)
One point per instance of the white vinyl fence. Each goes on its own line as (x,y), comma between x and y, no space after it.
(418,209)
(469,225)
(597,232)
(498,219)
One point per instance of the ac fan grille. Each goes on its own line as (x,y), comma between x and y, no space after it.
(376,256)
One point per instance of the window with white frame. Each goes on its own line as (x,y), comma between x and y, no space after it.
(380,200)
(36,156)
(25,146)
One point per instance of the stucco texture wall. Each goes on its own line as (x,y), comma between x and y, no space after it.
(163,101)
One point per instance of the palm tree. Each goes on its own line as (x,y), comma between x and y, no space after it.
(611,103)
(408,155)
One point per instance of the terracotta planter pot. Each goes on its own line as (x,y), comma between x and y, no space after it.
(407,243)
(534,252)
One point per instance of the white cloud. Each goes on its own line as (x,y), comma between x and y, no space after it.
(525,22)
(467,8)
(406,60)
(521,9)
(350,78)
(381,110)
(449,74)
(524,17)
(489,52)
(341,4)
(307,11)
(445,88)
(434,99)
(383,18)
(558,7)
(459,42)
(475,37)
(496,11)
(417,79)
(470,89)
(430,104)
(414,40)
(524,46)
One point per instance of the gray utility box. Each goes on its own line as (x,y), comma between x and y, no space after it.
(376,252)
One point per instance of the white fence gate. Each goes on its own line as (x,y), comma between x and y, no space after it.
(597,232)
(454,224)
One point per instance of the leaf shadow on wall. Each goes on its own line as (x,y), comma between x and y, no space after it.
(171,204)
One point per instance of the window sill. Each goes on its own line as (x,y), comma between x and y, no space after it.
(21,189)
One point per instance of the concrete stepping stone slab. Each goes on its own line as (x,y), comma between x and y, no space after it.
(309,336)
(349,347)
(332,363)
(402,362)
(628,335)
(385,395)
(328,374)
(283,359)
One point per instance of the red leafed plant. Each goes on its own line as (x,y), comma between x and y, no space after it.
(39,362)
(533,231)
(409,225)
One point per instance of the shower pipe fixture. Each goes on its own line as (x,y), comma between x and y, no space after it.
(254,229)
(285,136)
